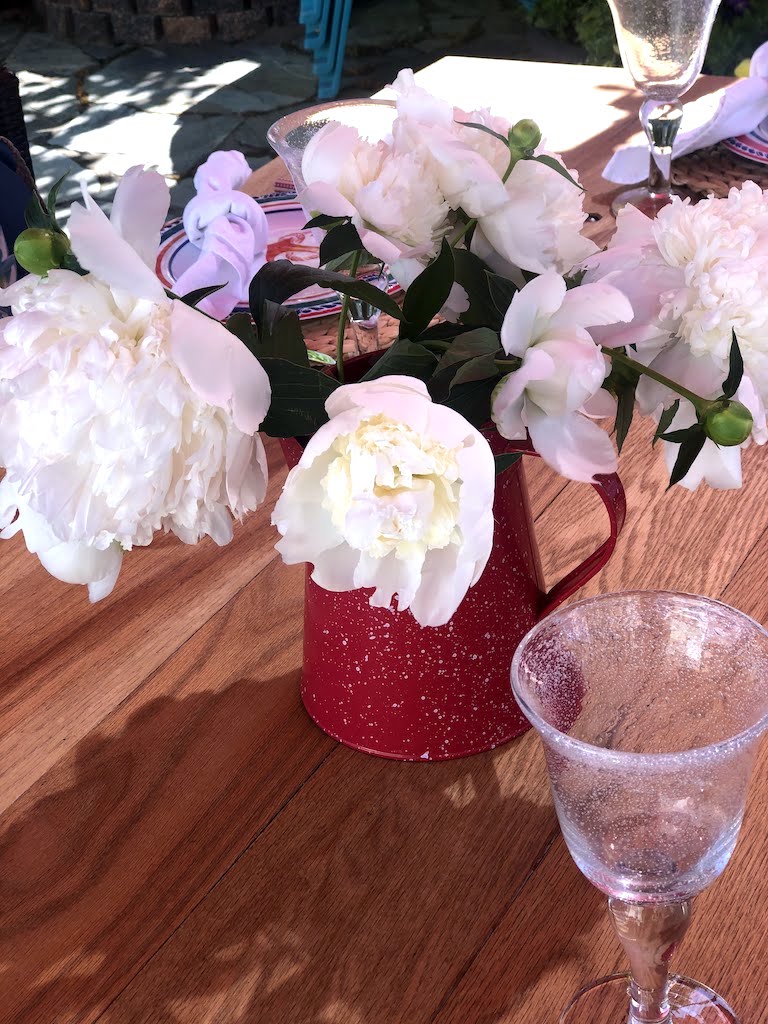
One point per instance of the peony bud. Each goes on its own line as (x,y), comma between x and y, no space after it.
(525,135)
(39,250)
(728,423)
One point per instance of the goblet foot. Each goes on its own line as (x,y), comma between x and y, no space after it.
(647,202)
(607,1002)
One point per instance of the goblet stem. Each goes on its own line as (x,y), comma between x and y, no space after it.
(650,933)
(661,122)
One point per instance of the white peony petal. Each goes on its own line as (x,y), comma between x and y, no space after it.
(716,466)
(358,396)
(749,396)
(508,400)
(456,303)
(600,405)
(700,375)
(247,473)
(530,310)
(416,103)
(100,249)
(591,305)
(334,569)
(466,178)
(389,576)
(139,210)
(84,564)
(572,444)
(219,367)
(520,235)
(445,581)
(376,244)
(326,153)
(320,197)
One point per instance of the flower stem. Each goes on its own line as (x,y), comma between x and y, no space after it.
(618,355)
(470,224)
(343,321)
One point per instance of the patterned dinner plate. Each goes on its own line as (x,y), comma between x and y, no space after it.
(288,239)
(753,145)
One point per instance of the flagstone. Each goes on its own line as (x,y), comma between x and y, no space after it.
(127,137)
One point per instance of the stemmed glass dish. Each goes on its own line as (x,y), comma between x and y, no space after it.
(662,45)
(650,707)
(290,136)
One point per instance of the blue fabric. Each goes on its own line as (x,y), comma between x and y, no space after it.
(14,196)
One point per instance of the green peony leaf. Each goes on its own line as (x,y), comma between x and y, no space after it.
(625,408)
(486,129)
(326,222)
(692,443)
(549,161)
(53,197)
(427,294)
(502,291)
(472,274)
(477,342)
(404,357)
(279,280)
(298,398)
(339,241)
(192,298)
(472,400)
(479,368)
(281,335)
(36,215)
(665,420)
(735,369)
(241,325)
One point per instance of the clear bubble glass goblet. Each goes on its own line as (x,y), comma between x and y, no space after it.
(662,45)
(650,707)
(291,135)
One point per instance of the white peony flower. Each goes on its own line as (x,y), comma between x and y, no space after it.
(694,276)
(393,493)
(533,222)
(538,226)
(697,272)
(562,369)
(121,411)
(392,196)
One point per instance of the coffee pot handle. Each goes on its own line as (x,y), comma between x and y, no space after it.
(611,492)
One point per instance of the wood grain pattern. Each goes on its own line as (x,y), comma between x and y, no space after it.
(180,845)
(104,856)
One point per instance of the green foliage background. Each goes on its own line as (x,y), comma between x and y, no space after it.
(736,33)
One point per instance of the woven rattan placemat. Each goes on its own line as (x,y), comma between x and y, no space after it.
(716,170)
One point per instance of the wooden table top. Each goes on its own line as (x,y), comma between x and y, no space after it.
(179,843)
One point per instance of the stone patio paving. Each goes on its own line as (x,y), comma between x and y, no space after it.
(94,111)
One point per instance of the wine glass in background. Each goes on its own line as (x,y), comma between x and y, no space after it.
(650,707)
(662,45)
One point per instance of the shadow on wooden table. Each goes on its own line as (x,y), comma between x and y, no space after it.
(350,889)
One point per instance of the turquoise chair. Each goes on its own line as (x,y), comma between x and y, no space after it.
(326,23)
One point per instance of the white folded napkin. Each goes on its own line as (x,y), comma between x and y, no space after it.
(230,230)
(733,110)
